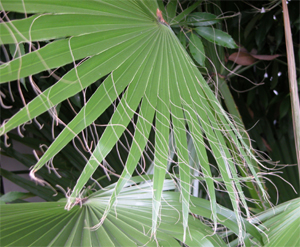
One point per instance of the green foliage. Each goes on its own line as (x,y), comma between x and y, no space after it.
(128,224)
(197,49)
(126,95)
(262,92)
(281,224)
(200,19)
(216,36)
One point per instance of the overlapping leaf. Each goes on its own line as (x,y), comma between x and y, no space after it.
(216,36)
(281,224)
(151,76)
(197,49)
(129,224)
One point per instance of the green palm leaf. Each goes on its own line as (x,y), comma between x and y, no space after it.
(281,224)
(129,224)
(149,74)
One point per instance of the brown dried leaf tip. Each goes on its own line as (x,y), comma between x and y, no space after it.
(160,17)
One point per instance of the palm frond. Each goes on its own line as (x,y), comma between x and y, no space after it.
(129,224)
(152,78)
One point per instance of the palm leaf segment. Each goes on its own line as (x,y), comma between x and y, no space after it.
(148,71)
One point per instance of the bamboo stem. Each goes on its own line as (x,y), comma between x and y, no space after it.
(292,81)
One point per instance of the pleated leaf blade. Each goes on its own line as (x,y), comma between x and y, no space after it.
(145,63)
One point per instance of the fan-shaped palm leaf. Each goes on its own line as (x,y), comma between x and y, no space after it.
(129,224)
(149,74)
